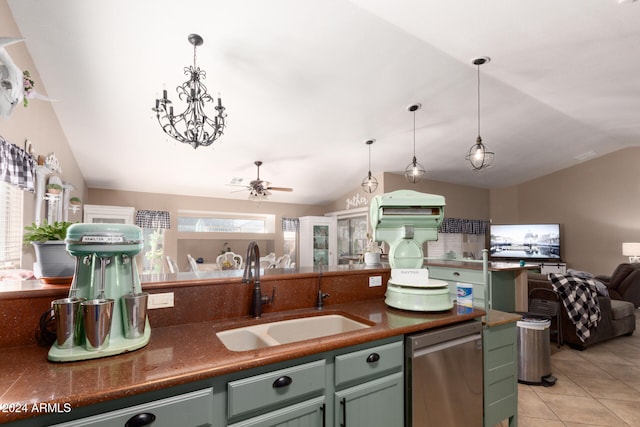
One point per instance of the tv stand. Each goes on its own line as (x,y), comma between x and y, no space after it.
(553,267)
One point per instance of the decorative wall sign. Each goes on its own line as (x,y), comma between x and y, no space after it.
(356,201)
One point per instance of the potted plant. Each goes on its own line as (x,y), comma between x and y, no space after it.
(52,257)
(75,201)
(54,188)
(372,251)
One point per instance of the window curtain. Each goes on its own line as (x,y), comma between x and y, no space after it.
(153,219)
(464,226)
(17,167)
(290,224)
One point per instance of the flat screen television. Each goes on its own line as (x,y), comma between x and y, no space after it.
(528,242)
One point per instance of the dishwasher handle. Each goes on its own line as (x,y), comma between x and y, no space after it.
(447,344)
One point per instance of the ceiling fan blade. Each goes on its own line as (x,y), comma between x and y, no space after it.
(279,188)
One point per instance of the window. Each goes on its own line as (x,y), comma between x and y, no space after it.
(10,225)
(224,222)
(456,245)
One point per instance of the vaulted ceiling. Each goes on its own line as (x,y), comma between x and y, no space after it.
(307,82)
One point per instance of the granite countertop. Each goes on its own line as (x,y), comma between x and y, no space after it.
(185,353)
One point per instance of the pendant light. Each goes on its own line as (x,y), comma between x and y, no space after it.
(479,157)
(414,170)
(370,183)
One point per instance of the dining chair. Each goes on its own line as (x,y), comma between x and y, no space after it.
(173,266)
(229,261)
(192,263)
(284,261)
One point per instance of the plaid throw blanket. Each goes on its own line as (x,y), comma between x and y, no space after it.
(579,298)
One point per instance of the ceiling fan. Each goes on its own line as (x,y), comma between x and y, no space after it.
(259,189)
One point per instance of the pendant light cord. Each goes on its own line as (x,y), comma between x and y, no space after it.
(478,99)
(414,136)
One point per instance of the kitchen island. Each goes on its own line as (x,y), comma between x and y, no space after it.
(184,354)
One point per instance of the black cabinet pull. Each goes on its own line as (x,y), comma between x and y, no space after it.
(139,420)
(283,381)
(373,357)
(323,409)
(343,403)
(455,273)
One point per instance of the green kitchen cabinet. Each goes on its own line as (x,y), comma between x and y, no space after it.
(375,403)
(363,385)
(492,290)
(309,413)
(168,412)
(275,396)
(500,353)
(369,386)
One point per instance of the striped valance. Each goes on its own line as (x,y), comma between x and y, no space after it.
(153,219)
(464,226)
(17,167)
(290,224)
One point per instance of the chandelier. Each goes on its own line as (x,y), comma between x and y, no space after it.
(479,157)
(192,126)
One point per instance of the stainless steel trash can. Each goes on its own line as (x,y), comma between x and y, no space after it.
(534,354)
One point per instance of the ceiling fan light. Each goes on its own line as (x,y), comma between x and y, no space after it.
(414,171)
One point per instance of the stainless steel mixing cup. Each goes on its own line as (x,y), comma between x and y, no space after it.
(97,315)
(134,314)
(68,317)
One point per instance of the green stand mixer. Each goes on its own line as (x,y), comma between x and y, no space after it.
(106,311)
(406,219)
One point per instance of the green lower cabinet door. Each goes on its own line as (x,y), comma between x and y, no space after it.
(309,413)
(377,403)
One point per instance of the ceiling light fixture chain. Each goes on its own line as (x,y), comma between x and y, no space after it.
(479,157)
(369,183)
(414,170)
(193,126)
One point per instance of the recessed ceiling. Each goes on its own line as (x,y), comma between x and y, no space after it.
(306,82)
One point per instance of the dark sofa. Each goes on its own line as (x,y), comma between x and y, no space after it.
(624,283)
(618,316)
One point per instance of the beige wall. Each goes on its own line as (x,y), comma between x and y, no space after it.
(179,244)
(597,202)
(462,201)
(39,124)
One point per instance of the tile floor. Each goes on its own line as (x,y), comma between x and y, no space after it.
(596,387)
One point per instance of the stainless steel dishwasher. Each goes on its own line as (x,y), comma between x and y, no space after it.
(444,376)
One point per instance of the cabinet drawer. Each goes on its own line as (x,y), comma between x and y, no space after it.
(168,412)
(275,388)
(456,275)
(371,362)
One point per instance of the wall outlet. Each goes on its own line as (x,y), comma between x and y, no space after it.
(375,281)
(164,300)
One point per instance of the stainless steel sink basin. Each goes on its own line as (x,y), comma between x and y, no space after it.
(288,331)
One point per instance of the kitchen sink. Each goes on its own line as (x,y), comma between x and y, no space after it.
(288,331)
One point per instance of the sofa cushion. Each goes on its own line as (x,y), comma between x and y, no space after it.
(621,309)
